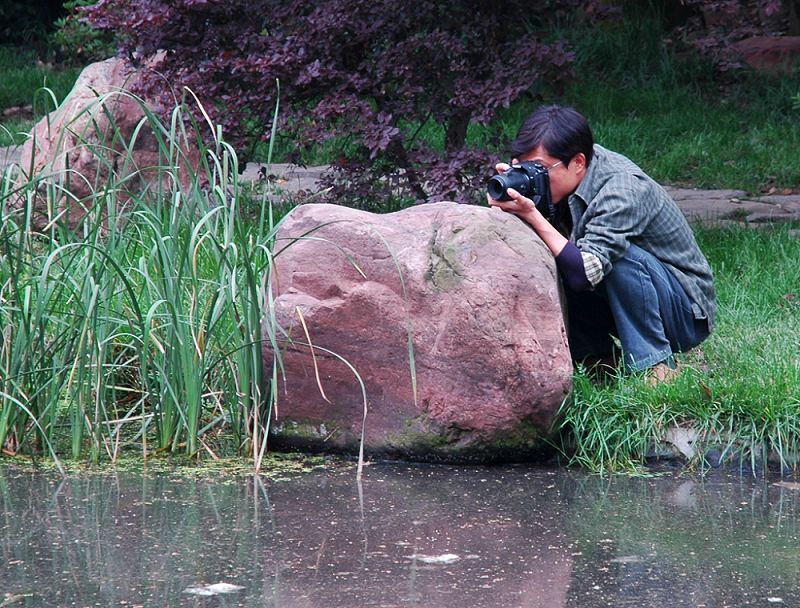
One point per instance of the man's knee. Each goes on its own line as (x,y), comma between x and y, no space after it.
(635,260)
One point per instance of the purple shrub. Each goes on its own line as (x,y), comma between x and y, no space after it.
(365,71)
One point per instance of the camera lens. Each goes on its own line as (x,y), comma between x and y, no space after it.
(497,188)
(516,178)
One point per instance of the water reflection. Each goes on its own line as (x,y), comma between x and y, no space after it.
(406,536)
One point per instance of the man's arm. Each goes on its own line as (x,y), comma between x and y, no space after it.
(525,209)
(569,259)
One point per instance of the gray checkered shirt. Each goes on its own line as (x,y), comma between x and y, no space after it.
(617,204)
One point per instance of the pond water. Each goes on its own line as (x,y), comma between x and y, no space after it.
(456,537)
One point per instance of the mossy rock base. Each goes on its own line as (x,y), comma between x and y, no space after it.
(415,444)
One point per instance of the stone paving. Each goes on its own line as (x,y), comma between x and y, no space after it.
(8,156)
(699,206)
(735,206)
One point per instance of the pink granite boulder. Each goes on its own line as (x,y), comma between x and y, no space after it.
(450,316)
(98,139)
(769,54)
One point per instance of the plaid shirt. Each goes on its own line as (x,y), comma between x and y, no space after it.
(617,204)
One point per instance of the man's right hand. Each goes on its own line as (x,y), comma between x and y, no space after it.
(518,205)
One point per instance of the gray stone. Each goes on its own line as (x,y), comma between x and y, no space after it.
(285,177)
(717,206)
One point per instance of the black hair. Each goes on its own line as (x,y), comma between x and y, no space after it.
(561,130)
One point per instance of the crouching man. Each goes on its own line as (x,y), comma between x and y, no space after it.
(628,260)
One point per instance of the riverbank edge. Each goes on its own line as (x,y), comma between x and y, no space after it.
(682,448)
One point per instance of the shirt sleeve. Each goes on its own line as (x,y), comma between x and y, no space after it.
(580,271)
(620,211)
(593,268)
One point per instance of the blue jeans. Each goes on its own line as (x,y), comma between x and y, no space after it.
(641,303)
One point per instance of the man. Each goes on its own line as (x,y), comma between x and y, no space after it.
(628,260)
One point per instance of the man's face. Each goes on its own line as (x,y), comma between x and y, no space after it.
(564,178)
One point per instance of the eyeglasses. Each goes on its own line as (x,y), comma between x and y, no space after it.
(515,162)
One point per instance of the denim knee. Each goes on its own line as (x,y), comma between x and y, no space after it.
(651,310)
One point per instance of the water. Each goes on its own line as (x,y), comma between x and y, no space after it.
(406,536)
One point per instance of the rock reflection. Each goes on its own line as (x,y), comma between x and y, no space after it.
(405,536)
(508,550)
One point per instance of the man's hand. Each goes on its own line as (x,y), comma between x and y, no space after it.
(524,208)
(518,205)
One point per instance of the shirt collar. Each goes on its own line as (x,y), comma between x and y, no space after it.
(585,190)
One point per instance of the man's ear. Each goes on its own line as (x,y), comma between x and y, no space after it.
(580,162)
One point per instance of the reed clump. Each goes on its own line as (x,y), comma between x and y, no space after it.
(140,326)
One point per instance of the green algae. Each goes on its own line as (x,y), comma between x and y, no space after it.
(454,444)
(275,466)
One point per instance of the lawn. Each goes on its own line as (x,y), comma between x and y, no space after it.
(25,81)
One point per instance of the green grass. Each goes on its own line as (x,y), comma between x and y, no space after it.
(740,390)
(663,106)
(22,80)
(680,138)
(22,76)
(15,131)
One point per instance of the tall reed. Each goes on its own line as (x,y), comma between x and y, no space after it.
(141,324)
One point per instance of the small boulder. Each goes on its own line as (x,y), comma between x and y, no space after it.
(449,315)
(769,54)
(93,141)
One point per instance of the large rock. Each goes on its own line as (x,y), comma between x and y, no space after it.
(87,144)
(769,54)
(472,290)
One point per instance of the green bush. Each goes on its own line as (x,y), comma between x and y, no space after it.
(76,41)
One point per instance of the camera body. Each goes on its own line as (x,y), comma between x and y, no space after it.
(530,179)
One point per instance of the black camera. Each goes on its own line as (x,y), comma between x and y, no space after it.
(530,179)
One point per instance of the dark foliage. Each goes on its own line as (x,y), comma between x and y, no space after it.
(717,24)
(368,72)
(26,22)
